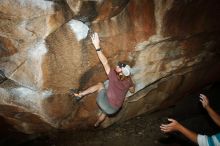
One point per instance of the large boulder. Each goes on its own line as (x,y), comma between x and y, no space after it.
(45,50)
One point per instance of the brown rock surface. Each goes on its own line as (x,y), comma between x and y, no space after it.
(45,50)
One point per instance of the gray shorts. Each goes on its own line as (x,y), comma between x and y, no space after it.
(102,101)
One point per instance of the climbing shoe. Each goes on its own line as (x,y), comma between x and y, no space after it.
(73,92)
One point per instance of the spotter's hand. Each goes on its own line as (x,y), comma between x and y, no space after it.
(204,100)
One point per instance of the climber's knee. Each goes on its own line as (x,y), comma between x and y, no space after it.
(100,86)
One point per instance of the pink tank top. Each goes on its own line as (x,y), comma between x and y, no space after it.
(117,89)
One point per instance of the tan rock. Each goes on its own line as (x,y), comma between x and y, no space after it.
(45,50)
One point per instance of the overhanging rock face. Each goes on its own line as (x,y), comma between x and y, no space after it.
(45,49)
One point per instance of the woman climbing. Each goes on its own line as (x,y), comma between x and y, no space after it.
(111,93)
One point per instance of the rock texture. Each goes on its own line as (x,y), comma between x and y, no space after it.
(45,49)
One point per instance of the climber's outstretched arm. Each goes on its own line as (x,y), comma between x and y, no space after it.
(102,58)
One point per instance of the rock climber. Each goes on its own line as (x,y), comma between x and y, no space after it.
(111,93)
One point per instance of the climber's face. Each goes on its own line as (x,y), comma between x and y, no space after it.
(119,66)
(118,69)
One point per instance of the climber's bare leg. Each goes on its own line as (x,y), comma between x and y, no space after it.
(100,119)
(91,89)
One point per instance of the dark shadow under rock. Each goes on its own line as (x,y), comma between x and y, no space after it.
(2,77)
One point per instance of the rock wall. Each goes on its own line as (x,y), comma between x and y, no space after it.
(45,50)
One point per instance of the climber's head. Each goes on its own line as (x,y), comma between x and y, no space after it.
(123,70)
